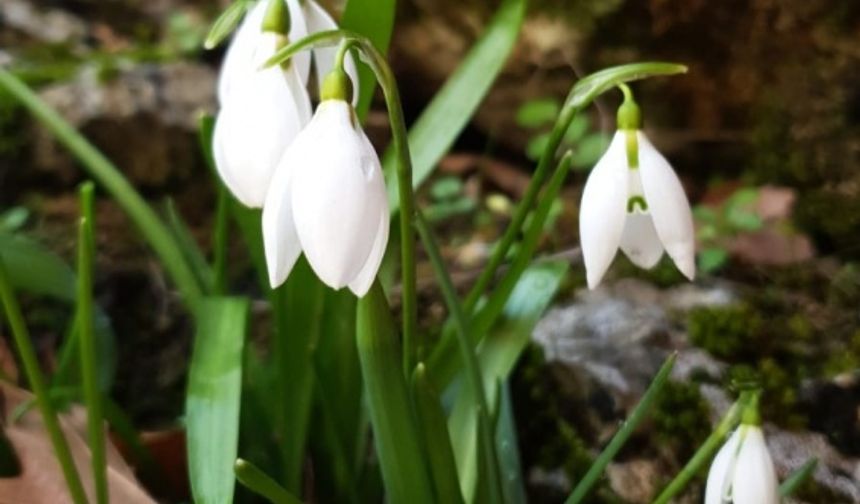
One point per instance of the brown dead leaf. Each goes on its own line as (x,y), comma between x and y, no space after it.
(41,480)
(772,247)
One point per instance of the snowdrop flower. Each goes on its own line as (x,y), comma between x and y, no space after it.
(262,109)
(634,200)
(742,471)
(317,20)
(328,199)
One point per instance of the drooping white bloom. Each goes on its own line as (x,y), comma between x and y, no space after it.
(742,471)
(643,210)
(317,20)
(328,199)
(262,110)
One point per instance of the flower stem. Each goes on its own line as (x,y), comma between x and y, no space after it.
(411,348)
(526,203)
(34,376)
(467,353)
(703,454)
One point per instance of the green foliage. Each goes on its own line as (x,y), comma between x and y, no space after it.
(681,417)
(718,224)
(727,332)
(448,199)
(539,115)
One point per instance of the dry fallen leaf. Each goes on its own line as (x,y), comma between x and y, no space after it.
(41,480)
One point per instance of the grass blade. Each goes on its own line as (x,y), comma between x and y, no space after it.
(434,425)
(34,376)
(87,345)
(213,398)
(103,171)
(797,478)
(396,435)
(261,483)
(639,413)
(439,125)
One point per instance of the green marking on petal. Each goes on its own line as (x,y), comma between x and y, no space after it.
(632,149)
(634,201)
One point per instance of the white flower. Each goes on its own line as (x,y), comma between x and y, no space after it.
(262,111)
(317,20)
(743,472)
(643,210)
(328,199)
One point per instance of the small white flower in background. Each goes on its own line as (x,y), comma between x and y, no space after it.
(742,471)
(634,200)
(262,110)
(328,199)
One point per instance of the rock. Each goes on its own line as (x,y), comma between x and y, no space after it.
(43,24)
(636,480)
(144,120)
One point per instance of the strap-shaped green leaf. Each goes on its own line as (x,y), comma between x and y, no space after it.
(213,398)
(440,124)
(226,23)
(395,430)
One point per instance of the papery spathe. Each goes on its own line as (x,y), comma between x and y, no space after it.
(643,210)
(742,471)
(328,200)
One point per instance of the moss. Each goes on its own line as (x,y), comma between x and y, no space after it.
(845,359)
(844,289)
(680,417)
(726,332)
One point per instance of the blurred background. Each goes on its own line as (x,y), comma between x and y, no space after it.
(764,131)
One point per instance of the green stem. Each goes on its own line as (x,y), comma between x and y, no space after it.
(112,179)
(528,200)
(623,433)
(467,353)
(87,346)
(704,453)
(796,478)
(37,382)
(261,483)
(377,62)
(220,235)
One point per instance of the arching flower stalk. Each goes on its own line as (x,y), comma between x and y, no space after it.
(742,471)
(328,199)
(634,200)
(263,109)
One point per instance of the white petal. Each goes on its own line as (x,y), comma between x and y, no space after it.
(755,477)
(603,210)
(361,283)
(250,48)
(319,20)
(639,240)
(281,243)
(253,129)
(668,206)
(338,194)
(237,61)
(719,479)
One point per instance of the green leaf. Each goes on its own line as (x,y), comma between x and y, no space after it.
(743,220)
(298,310)
(262,484)
(617,442)
(395,429)
(434,425)
(589,150)
(189,247)
(37,270)
(712,259)
(500,351)
(586,89)
(13,219)
(226,23)
(114,182)
(213,398)
(446,188)
(87,343)
(440,124)
(797,478)
(578,128)
(507,448)
(375,20)
(536,113)
(536,145)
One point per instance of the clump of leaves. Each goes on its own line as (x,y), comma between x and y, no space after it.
(716,225)
(448,199)
(539,115)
